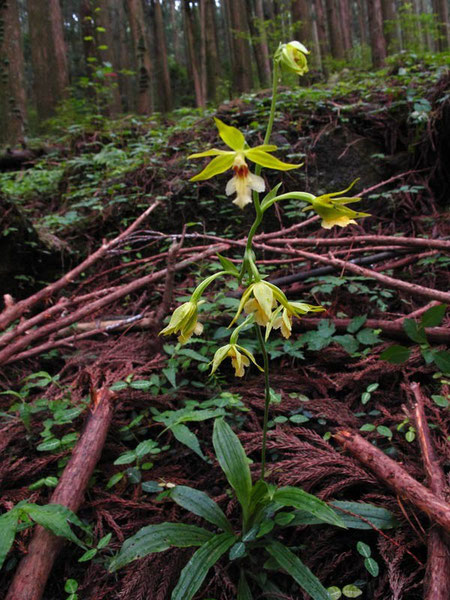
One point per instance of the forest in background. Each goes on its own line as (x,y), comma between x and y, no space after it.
(142,56)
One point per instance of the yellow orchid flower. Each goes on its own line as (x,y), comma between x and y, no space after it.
(243,181)
(184,320)
(292,57)
(240,358)
(282,317)
(333,210)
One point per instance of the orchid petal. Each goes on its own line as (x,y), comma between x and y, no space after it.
(260,157)
(220,164)
(230,135)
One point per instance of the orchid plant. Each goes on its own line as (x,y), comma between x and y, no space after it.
(266,308)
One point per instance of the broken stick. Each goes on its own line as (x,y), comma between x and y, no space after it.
(437,581)
(33,571)
(396,477)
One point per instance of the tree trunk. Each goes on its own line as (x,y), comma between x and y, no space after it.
(193,66)
(377,41)
(162,66)
(212,55)
(142,58)
(301,21)
(322,36)
(390,28)
(346,25)
(440,7)
(122,53)
(174,31)
(362,22)
(255,18)
(242,73)
(12,90)
(334,29)
(48,55)
(105,44)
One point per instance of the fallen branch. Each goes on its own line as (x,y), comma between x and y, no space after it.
(9,354)
(376,240)
(395,477)
(410,288)
(13,312)
(32,574)
(437,582)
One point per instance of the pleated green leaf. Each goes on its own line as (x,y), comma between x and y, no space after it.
(298,571)
(234,463)
(8,527)
(200,504)
(244,592)
(194,573)
(297,498)
(157,538)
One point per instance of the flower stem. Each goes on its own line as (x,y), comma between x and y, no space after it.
(267,398)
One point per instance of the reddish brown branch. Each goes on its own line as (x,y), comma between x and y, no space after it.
(411,288)
(15,311)
(437,582)
(376,240)
(394,476)
(9,353)
(32,574)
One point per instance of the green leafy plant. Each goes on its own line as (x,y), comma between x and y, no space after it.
(54,517)
(398,354)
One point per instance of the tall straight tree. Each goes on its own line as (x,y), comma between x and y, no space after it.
(162,74)
(255,16)
(48,55)
(321,26)
(194,67)
(241,63)
(211,62)
(334,30)
(105,44)
(390,30)
(12,90)
(122,52)
(440,7)
(142,58)
(346,25)
(377,41)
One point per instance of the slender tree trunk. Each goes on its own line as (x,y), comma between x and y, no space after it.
(48,55)
(193,66)
(362,22)
(346,25)
(322,36)
(335,34)
(162,71)
(175,32)
(440,7)
(123,53)
(259,41)
(427,33)
(212,55)
(377,41)
(389,25)
(202,45)
(301,21)
(105,43)
(142,58)
(12,90)
(242,74)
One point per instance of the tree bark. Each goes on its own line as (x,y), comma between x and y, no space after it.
(48,55)
(105,44)
(255,19)
(193,64)
(212,54)
(142,57)
(390,27)
(321,26)
(162,66)
(242,72)
(33,571)
(12,90)
(394,476)
(440,7)
(346,25)
(334,30)
(377,41)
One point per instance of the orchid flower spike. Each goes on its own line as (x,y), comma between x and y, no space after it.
(243,181)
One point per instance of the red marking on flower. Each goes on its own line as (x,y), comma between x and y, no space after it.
(241,171)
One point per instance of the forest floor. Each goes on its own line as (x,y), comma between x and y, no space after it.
(76,337)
